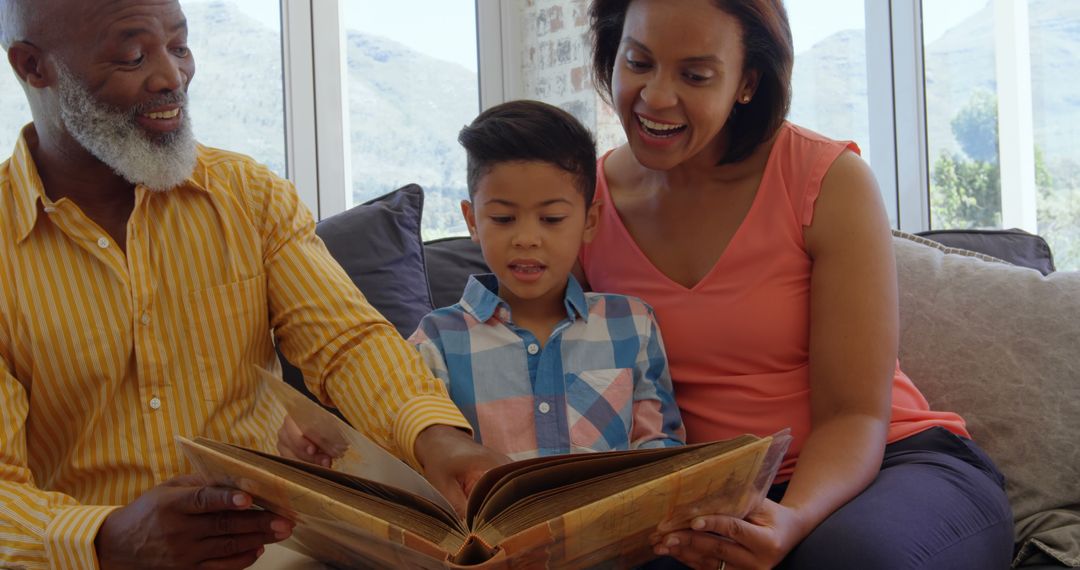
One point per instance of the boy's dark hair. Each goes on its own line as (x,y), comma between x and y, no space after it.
(768,46)
(530,131)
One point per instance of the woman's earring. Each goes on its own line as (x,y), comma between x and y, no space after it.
(745,99)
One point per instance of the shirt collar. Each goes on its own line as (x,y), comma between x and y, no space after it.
(25,184)
(30,197)
(481,298)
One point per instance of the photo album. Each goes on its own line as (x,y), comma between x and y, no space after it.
(370,509)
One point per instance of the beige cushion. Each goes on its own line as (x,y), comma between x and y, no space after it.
(1000,345)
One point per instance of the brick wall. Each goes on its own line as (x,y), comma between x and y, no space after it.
(555,61)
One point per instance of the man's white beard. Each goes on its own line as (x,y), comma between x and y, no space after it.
(116,139)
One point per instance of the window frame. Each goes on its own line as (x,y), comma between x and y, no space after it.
(897,91)
(318,146)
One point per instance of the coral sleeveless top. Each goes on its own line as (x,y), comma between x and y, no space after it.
(738,341)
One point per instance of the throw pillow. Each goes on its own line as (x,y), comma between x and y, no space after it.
(378,244)
(1015,246)
(998,344)
(450,262)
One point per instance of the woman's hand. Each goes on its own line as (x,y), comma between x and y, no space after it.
(760,541)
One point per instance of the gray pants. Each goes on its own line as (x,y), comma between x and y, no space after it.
(937,504)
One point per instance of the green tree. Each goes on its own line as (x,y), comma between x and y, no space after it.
(976,127)
(966,191)
(1059,213)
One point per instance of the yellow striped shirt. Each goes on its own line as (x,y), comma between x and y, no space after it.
(106,356)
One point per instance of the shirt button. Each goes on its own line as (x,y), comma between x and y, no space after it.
(155,403)
(533,348)
(145,319)
(544,407)
(103,242)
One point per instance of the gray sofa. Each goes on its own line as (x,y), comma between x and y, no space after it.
(997,343)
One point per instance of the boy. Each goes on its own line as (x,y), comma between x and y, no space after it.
(537,366)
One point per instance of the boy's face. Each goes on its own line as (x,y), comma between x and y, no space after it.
(530,221)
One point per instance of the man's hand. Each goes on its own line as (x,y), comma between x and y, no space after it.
(453,462)
(295,444)
(184,523)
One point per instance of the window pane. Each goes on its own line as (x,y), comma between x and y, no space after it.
(1055,39)
(14,111)
(829,80)
(829,86)
(412,85)
(236,95)
(237,100)
(961,114)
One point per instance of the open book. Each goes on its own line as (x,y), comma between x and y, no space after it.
(570,511)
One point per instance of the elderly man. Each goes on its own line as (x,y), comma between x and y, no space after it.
(140,277)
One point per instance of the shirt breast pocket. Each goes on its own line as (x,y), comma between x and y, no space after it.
(229,331)
(599,409)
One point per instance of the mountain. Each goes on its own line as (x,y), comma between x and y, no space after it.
(237,104)
(829,80)
(394,144)
(236,93)
(237,96)
(830,90)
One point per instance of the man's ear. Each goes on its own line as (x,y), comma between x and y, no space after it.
(29,64)
(592,221)
(469,214)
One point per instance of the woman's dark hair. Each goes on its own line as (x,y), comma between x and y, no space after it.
(768,46)
(530,131)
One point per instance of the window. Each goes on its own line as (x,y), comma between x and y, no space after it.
(14,111)
(961,114)
(1055,107)
(931,83)
(237,100)
(411,84)
(829,79)
(236,95)
(1001,121)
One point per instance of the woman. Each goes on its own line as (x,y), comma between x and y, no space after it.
(765,250)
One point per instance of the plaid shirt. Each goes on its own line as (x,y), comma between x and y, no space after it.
(600,383)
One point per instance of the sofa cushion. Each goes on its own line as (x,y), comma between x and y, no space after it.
(450,262)
(999,345)
(1015,246)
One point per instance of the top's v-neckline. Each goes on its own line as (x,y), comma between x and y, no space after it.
(754,206)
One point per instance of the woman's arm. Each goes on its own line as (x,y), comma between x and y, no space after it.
(853,343)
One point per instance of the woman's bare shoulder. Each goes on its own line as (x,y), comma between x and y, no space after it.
(621,171)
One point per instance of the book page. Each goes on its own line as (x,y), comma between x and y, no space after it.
(354,453)
(504,485)
(336,518)
(546,493)
(612,517)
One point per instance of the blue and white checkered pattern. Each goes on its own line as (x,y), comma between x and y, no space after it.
(600,382)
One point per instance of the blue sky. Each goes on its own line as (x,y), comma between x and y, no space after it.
(424,24)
